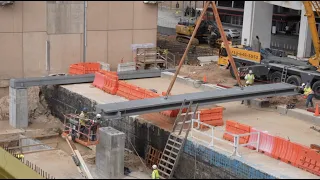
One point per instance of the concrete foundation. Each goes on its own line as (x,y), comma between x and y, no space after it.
(110,153)
(257,21)
(210,162)
(18,108)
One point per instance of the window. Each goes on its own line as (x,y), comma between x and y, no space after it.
(225,3)
(238,4)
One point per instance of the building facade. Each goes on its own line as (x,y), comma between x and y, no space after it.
(43,37)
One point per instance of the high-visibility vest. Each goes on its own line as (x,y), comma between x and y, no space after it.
(307,91)
(155,174)
(82,118)
(249,78)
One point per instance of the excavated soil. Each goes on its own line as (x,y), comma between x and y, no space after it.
(214,73)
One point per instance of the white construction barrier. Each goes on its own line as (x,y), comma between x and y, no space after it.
(129,66)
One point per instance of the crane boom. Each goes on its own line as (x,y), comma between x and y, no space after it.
(309,5)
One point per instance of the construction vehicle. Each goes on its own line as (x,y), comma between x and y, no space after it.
(72,128)
(207,33)
(282,69)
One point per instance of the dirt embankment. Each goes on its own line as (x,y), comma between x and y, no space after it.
(213,72)
(37,108)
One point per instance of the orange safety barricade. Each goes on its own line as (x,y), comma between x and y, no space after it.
(280,147)
(84,68)
(124,89)
(99,80)
(266,142)
(213,116)
(294,152)
(236,128)
(309,160)
(111,82)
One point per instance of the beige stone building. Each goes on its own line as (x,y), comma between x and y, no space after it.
(111,28)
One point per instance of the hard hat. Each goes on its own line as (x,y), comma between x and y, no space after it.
(250,71)
(303,84)
(154,166)
(84,109)
(98,115)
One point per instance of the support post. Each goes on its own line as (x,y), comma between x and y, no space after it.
(110,153)
(18,107)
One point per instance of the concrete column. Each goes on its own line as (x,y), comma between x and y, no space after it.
(110,153)
(257,21)
(18,108)
(304,43)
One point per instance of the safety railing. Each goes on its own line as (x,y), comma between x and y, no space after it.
(212,137)
(34,167)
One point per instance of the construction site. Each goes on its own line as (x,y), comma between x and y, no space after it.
(100,90)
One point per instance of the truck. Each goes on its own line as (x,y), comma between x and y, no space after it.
(266,66)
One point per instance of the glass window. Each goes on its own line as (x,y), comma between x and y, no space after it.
(228,19)
(225,3)
(238,4)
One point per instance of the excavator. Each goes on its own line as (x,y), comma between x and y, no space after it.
(208,31)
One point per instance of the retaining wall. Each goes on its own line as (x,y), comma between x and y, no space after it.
(210,164)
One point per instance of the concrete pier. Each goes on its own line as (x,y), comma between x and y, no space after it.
(110,153)
(18,108)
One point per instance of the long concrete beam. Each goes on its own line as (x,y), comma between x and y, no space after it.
(23,83)
(136,107)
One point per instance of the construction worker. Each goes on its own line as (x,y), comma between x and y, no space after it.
(20,156)
(94,126)
(309,93)
(82,119)
(249,80)
(155,172)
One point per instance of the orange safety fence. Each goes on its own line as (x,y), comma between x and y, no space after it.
(309,160)
(124,89)
(213,116)
(84,68)
(236,128)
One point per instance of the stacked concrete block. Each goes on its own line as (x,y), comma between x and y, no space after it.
(18,108)
(129,66)
(110,153)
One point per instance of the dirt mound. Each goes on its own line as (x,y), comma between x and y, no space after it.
(298,100)
(37,105)
(214,73)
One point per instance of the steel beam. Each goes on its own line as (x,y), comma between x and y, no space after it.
(136,107)
(23,83)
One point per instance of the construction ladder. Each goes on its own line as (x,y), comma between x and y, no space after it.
(284,74)
(174,147)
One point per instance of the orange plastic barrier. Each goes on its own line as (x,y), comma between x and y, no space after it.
(309,160)
(236,128)
(212,116)
(294,152)
(280,148)
(266,142)
(111,82)
(124,89)
(99,80)
(84,68)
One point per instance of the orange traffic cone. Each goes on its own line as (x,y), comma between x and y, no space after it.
(316,112)
(204,78)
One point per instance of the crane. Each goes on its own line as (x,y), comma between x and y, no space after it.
(223,36)
(309,6)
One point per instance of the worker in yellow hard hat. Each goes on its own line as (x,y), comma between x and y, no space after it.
(82,119)
(155,172)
